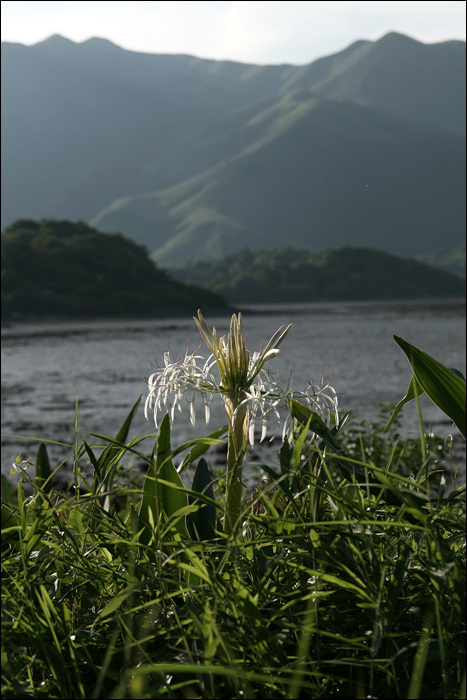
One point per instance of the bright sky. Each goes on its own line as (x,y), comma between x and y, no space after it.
(249,32)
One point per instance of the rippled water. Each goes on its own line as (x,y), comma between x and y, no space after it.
(45,366)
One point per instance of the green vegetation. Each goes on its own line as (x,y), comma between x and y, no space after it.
(343,274)
(316,173)
(58,268)
(346,577)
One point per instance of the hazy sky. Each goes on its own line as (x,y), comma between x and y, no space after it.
(250,32)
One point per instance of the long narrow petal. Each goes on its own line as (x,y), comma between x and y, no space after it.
(192,411)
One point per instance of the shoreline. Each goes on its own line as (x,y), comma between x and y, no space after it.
(293,308)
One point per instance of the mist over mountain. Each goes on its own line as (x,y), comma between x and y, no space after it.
(198,158)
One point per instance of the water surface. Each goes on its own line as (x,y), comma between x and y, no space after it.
(45,366)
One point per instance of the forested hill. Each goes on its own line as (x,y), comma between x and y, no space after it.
(63,269)
(341,274)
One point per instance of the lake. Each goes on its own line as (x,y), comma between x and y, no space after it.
(46,365)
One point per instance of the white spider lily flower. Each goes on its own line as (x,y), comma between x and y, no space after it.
(247,390)
(182,378)
(237,371)
(250,393)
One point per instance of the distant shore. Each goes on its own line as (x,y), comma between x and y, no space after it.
(372,306)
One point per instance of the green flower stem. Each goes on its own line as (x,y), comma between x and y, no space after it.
(238,423)
(422,429)
(233,498)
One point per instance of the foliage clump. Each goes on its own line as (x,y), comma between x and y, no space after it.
(65,269)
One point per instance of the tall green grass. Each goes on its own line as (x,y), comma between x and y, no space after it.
(346,577)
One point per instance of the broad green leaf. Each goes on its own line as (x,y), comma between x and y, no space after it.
(171,494)
(76,521)
(162,446)
(133,521)
(170,499)
(194,574)
(444,387)
(169,491)
(92,457)
(285,457)
(201,523)
(105,465)
(124,430)
(150,507)
(43,470)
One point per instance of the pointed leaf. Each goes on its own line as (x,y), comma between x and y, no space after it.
(201,523)
(413,390)
(43,470)
(171,493)
(148,512)
(443,386)
(163,440)
(285,456)
(148,509)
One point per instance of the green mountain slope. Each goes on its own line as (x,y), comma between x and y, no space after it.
(87,123)
(342,274)
(58,268)
(424,84)
(184,154)
(346,174)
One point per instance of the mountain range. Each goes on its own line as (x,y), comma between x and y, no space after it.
(196,159)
